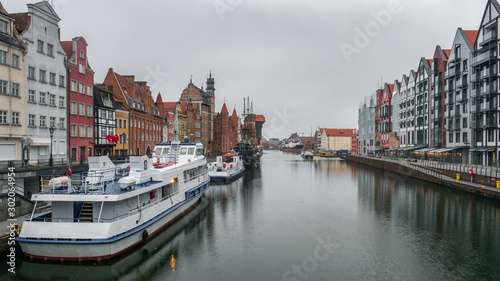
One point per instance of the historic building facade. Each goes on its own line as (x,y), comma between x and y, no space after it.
(12,90)
(81,100)
(46,102)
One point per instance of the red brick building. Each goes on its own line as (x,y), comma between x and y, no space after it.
(167,110)
(225,131)
(204,103)
(81,100)
(146,121)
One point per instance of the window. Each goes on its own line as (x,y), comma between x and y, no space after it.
(52,100)
(61,81)
(61,102)
(125,124)
(52,79)
(3,57)
(73,130)
(490,135)
(465,65)
(89,110)
(89,90)
(31,96)
(457,137)
(50,50)
(15,89)
(464,125)
(15,61)
(4,26)
(42,76)
(82,109)
(31,72)
(62,123)
(82,131)
(73,85)
(3,87)
(82,88)
(43,122)
(81,55)
(40,46)
(89,131)
(42,98)
(81,68)
(52,122)
(73,107)
(120,124)
(451,137)
(3,117)
(464,137)
(31,120)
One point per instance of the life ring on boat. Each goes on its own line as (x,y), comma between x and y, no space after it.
(231,166)
(145,235)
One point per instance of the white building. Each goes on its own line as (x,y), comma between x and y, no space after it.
(46,82)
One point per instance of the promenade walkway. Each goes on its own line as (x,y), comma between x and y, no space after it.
(431,169)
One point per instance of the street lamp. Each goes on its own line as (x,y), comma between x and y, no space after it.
(51,131)
(123,142)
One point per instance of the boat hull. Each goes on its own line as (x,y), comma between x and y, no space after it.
(225,176)
(292,150)
(104,249)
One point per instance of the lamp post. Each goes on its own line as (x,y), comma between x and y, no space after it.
(123,143)
(51,131)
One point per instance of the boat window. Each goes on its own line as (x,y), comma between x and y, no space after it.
(166,150)
(191,151)
(199,151)
(158,150)
(183,150)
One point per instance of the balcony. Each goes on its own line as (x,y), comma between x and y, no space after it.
(487,106)
(491,89)
(473,108)
(488,37)
(451,72)
(485,57)
(461,97)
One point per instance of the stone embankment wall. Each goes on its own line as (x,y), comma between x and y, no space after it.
(434,176)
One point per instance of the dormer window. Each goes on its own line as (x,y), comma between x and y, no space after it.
(81,55)
(4,26)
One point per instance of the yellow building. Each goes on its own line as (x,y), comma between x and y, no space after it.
(121,149)
(13,94)
(181,119)
(337,139)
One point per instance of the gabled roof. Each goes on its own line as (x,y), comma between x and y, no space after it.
(21,21)
(68,48)
(447,53)
(471,36)
(260,118)
(234,113)
(159,99)
(224,109)
(340,132)
(169,105)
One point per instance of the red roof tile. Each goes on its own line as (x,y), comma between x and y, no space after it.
(471,36)
(68,48)
(224,109)
(169,105)
(159,99)
(260,118)
(234,113)
(340,132)
(447,53)
(21,21)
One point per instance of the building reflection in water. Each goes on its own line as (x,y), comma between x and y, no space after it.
(465,228)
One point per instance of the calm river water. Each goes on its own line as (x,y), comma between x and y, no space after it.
(295,219)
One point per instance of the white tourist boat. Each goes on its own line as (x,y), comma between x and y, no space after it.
(105,212)
(226,168)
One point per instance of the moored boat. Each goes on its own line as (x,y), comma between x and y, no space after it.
(105,212)
(226,168)
(330,154)
(250,155)
(306,154)
(292,147)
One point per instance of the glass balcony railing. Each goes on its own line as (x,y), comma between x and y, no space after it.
(484,57)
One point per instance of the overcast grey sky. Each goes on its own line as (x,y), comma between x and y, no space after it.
(304,64)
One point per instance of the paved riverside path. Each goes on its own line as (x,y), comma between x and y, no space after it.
(449,181)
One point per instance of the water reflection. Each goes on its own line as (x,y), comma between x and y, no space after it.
(458,231)
(160,252)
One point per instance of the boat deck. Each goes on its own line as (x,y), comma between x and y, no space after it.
(107,188)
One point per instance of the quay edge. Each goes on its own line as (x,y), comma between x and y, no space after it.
(397,168)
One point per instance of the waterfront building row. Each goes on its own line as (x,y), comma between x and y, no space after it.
(448,105)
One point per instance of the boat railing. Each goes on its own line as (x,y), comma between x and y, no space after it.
(87,182)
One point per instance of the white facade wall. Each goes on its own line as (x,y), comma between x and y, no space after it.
(44,30)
